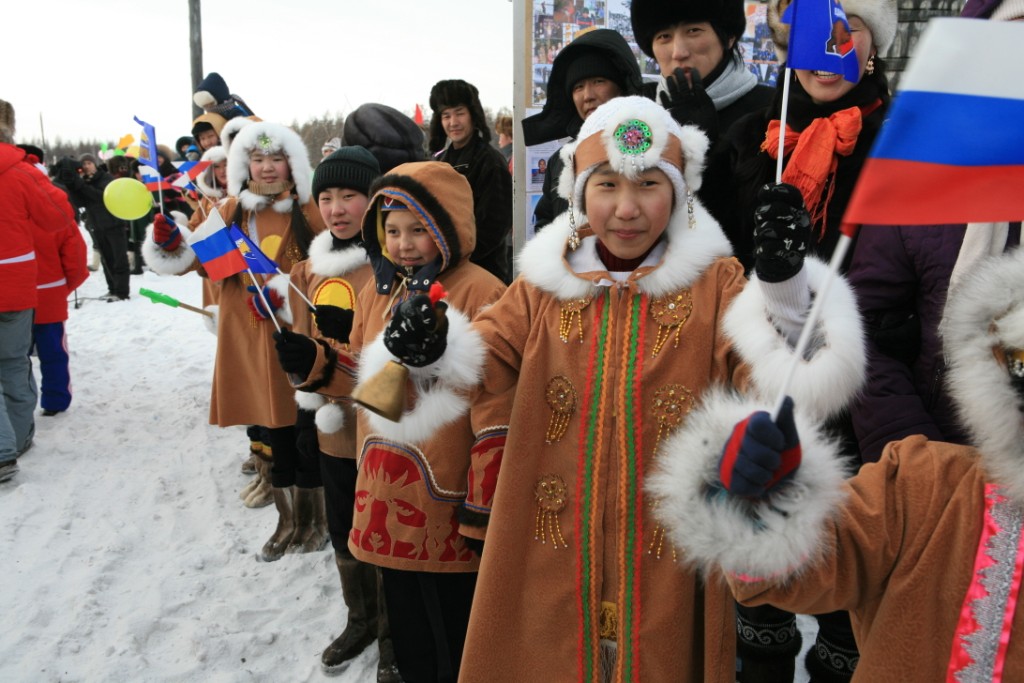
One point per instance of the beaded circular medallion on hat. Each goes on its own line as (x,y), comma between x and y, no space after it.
(633,137)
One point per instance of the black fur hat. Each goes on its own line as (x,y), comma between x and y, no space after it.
(452,93)
(390,135)
(649,16)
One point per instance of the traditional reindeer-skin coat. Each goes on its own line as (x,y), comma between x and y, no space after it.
(592,376)
(412,474)
(249,386)
(331,277)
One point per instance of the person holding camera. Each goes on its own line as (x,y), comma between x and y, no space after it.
(109,233)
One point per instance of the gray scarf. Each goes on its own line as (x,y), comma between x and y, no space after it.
(735,82)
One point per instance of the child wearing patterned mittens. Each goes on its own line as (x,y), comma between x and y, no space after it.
(611,335)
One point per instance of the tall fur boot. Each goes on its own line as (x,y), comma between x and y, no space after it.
(258,492)
(274,548)
(255,446)
(359,589)
(310,521)
(387,666)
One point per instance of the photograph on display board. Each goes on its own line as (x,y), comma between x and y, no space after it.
(756,45)
(556,24)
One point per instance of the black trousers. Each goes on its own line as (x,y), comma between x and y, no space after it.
(339,477)
(112,244)
(429,615)
(290,467)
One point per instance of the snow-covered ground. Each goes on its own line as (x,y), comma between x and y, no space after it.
(127,554)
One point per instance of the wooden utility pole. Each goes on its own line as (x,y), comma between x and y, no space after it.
(195,42)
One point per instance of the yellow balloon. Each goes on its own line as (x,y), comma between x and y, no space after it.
(127,198)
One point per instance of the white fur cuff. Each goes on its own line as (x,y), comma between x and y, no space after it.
(210,322)
(825,382)
(165,262)
(279,284)
(772,537)
(309,401)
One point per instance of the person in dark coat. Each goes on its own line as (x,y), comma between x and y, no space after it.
(460,136)
(109,231)
(703,79)
(594,68)
(391,136)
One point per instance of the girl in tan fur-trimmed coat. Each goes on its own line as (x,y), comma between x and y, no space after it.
(269,198)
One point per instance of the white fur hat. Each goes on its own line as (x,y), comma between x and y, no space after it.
(879,15)
(269,137)
(205,181)
(633,134)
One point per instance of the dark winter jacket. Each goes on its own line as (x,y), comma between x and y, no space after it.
(901,275)
(488,176)
(88,194)
(559,117)
(753,168)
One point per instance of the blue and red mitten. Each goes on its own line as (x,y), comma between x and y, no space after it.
(166,233)
(257,305)
(760,454)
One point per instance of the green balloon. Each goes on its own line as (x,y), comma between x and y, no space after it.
(127,198)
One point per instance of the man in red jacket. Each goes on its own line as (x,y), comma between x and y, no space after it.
(26,208)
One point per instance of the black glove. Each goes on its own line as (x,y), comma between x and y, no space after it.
(413,334)
(295,352)
(782,230)
(334,322)
(305,434)
(688,102)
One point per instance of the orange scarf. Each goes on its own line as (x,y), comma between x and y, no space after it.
(814,155)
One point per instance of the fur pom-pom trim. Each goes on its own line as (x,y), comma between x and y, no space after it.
(826,381)
(210,323)
(308,401)
(330,418)
(442,388)
(279,284)
(165,262)
(772,537)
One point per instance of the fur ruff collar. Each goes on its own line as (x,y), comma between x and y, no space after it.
(326,261)
(251,201)
(543,261)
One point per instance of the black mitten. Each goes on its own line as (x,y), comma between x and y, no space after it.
(414,335)
(782,229)
(295,352)
(688,102)
(334,322)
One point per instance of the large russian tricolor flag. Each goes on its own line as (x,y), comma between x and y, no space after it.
(952,149)
(215,249)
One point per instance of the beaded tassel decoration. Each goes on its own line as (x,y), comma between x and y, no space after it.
(561,398)
(689,209)
(633,138)
(671,403)
(574,235)
(670,312)
(552,495)
(571,310)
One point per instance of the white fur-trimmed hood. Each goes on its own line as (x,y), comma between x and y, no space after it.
(282,139)
(689,252)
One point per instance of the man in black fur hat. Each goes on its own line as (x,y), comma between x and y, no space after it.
(459,130)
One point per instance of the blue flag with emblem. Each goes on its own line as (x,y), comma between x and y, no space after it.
(255,259)
(820,38)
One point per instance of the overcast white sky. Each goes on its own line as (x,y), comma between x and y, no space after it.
(89,66)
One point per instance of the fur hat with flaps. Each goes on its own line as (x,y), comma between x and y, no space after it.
(727,17)
(633,135)
(267,138)
(880,16)
(6,122)
(983,339)
(454,93)
(442,199)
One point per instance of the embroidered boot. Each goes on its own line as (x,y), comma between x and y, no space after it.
(258,492)
(359,589)
(767,643)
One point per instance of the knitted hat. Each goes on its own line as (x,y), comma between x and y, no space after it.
(633,135)
(592,64)
(880,16)
(387,133)
(6,122)
(353,168)
(88,156)
(211,91)
(650,16)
